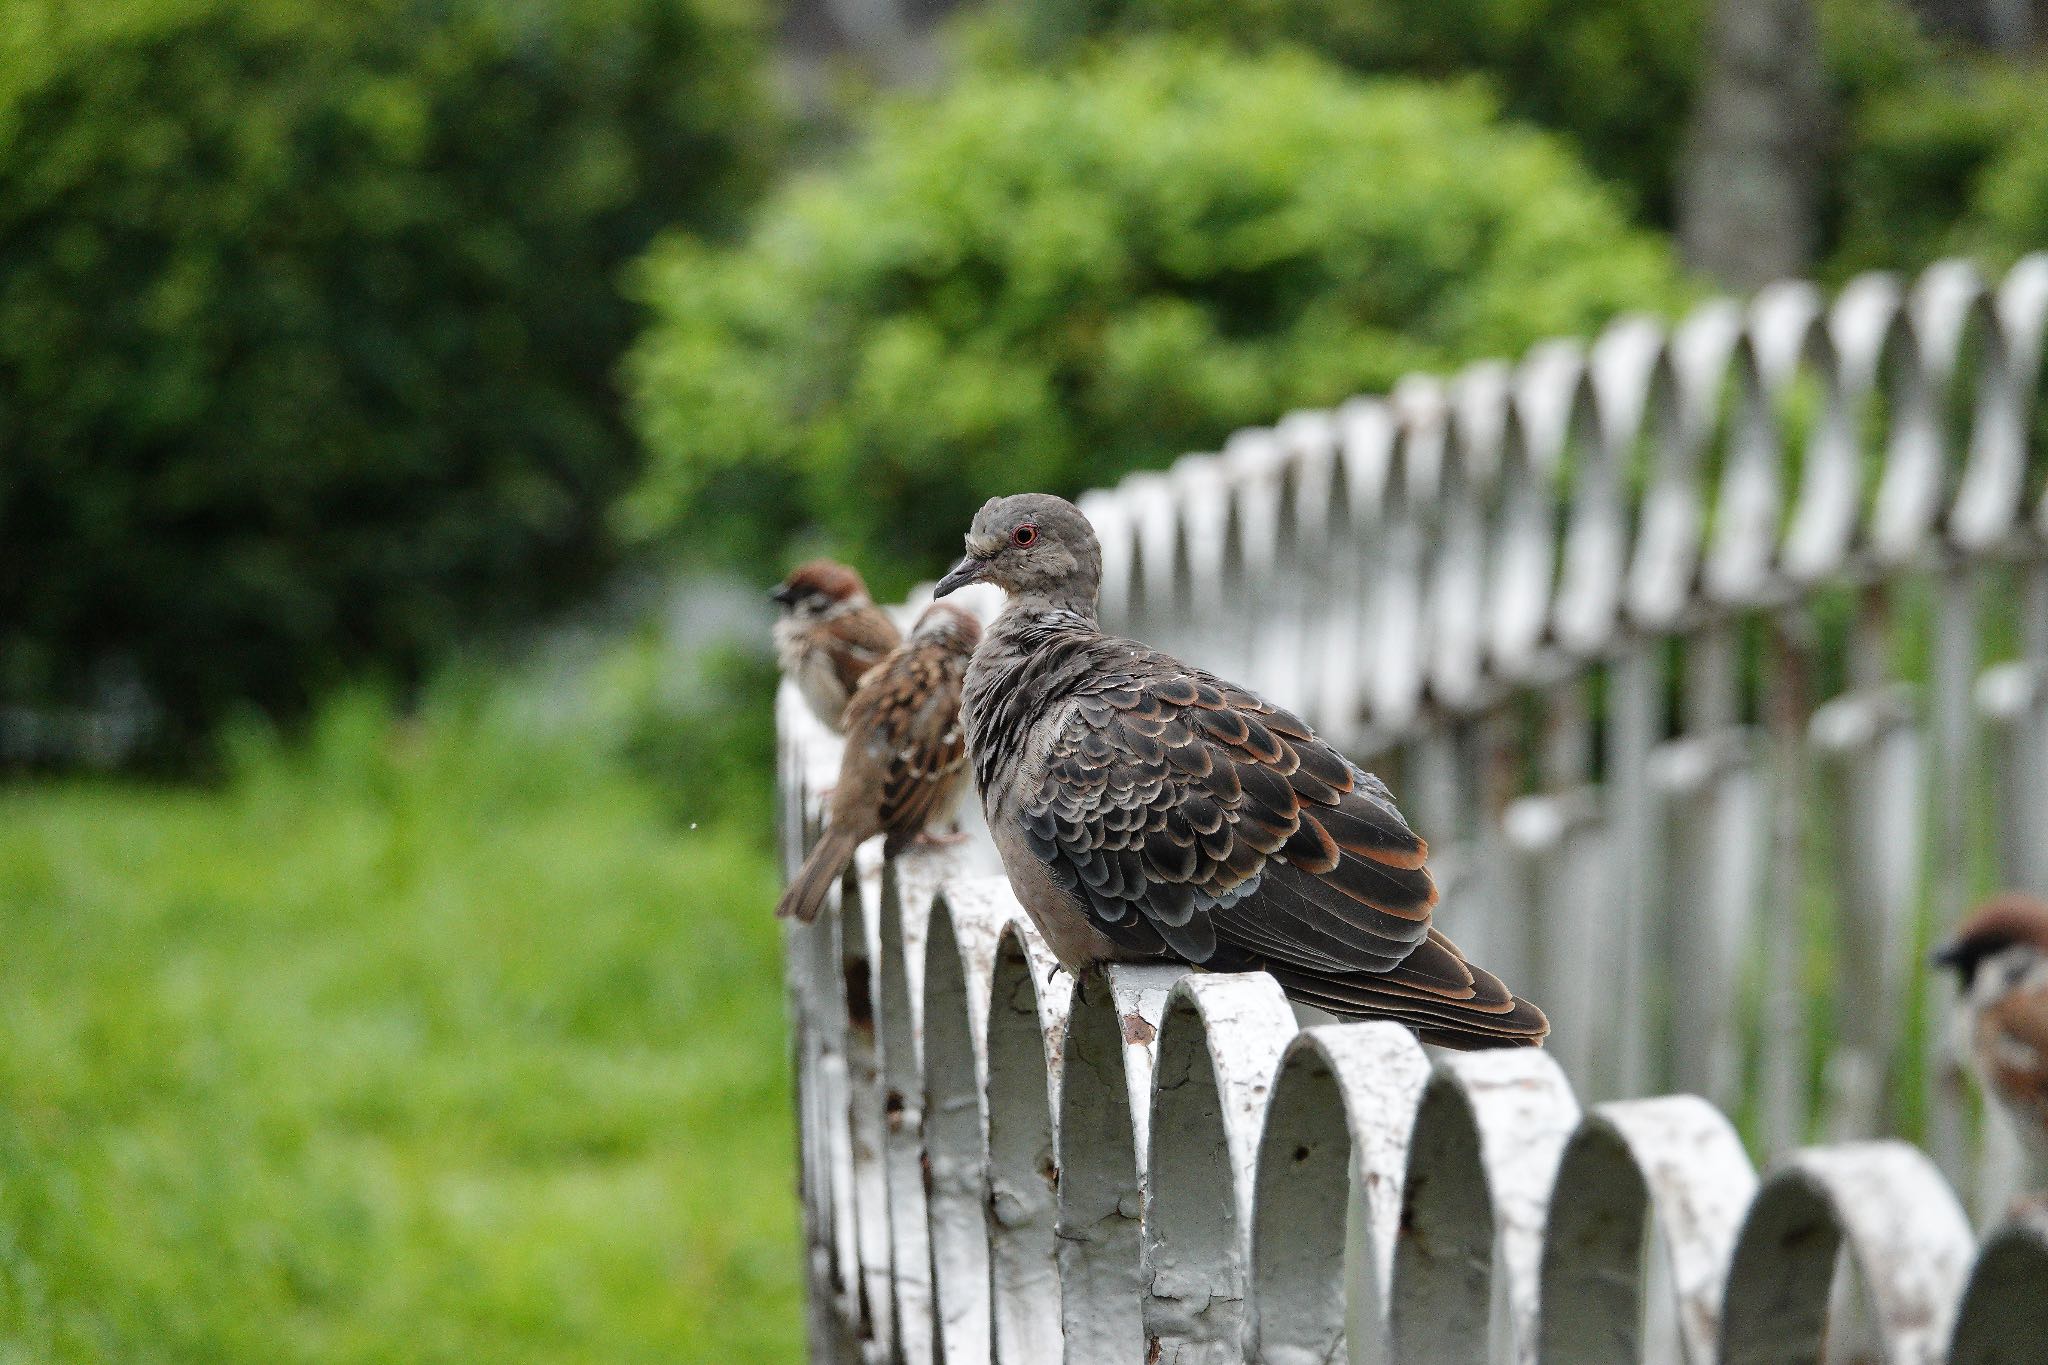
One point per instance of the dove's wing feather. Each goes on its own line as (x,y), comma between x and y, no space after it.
(1180,810)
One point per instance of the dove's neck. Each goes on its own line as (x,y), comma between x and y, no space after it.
(1034,654)
(1030,614)
(1070,605)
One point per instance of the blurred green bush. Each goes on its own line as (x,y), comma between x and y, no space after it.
(1617,76)
(1954,163)
(1045,280)
(309,322)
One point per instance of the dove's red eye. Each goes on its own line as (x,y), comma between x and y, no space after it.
(1025,536)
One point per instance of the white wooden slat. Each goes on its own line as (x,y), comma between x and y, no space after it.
(1664,1179)
(1220,1042)
(1327,1205)
(1104,1110)
(1483,585)
(1028,1000)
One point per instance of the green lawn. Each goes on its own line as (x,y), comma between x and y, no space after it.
(414,1043)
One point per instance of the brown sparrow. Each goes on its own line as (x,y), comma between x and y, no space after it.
(1146,810)
(2000,955)
(905,753)
(829,634)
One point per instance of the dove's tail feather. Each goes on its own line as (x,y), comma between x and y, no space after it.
(821,871)
(1462,1024)
(1435,991)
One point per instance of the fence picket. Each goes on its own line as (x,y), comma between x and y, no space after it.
(1711,660)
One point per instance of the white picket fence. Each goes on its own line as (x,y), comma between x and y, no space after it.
(1713,662)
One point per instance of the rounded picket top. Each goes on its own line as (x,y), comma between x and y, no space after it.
(1422,407)
(1202,502)
(1336,1137)
(2004,1315)
(1750,497)
(859,951)
(1481,1161)
(1657,1185)
(1257,487)
(1297,596)
(818,989)
(1962,350)
(1986,438)
(1907,1242)
(1550,389)
(1608,427)
(910,900)
(1104,1111)
(1308,437)
(2021,301)
(1347,651)
(967,923)
(1366,434)
(909,892)
(1254,463)
(1147,504)
(1825,525)
(2022,307)
(1684,388)
(1457,579)
(1312,567)
(1219,1043)
(1400,621)
(1108,511)
(1910,496)
(1027,1014)
(1155,530)
(818,1035)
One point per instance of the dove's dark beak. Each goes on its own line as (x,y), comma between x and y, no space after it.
(968,570)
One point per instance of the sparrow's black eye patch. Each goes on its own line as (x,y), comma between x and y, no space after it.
(1965,956)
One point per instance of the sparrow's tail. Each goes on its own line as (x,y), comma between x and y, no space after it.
(814,881)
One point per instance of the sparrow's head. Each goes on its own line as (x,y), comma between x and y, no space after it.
(2000,943)
(815,588)
(1032,545)
(948,624)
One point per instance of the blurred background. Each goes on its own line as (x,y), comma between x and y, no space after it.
(405,403)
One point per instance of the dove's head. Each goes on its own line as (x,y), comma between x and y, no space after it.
(1034,546)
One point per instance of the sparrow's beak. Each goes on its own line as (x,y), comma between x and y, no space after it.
(968,570)
(1947,955)
(783,593)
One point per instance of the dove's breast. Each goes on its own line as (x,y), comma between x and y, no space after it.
(1054,912)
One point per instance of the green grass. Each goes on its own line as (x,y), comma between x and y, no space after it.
(418,1042)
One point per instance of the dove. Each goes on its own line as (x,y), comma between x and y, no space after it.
(1146,810)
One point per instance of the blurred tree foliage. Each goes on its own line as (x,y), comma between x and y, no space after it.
(1617,76)
(309,321)
(1044,280)
(1954,163)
